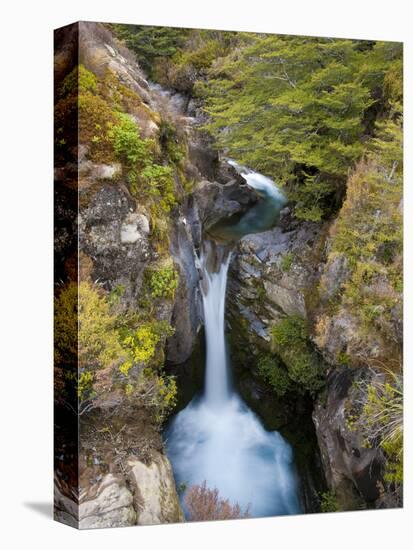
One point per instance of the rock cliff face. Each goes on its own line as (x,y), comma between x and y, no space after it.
(144,494)
(353,471)
(274,273)
(288,272)
(125,477)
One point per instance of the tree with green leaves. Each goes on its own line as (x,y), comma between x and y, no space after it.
(150,43)
(300,110)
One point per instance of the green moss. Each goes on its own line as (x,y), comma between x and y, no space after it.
(173,147)
(286,261)
(116,294)
(96,118)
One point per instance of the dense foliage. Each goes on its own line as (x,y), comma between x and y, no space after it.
(310,103)
(163,282)
(305,367)
(329,502)
(176,58)
(369,230)
(108,128)
(273,372)
(108,345)
(151,43)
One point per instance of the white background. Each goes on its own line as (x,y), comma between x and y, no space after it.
(26,270)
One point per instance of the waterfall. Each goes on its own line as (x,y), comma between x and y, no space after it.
(259,182)
(213,297)
(217,438)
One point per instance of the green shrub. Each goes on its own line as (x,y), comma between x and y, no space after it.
(291,342)
(159,184)
(142,341)
(86,335)
(165,396)
(144,176)
(98,340)
(163,282)
(382,422)
(79,80)
(172,146)
(274,373)
(329,502)
(129,147)
(85,385)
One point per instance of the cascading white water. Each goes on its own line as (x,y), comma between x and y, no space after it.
(259,182)
(216,377)
(217,438)
(261,216)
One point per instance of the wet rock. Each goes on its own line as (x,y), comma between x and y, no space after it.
(272,274)
(92,171)
(108,504)
(66,509)
(216,201)
(227,173)
(335,273)
(202,156)
(187,309)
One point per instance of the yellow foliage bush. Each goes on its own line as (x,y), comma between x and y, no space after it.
(99,345)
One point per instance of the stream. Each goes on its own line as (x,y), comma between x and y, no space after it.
(216,438)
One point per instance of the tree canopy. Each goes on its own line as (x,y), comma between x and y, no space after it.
(301,110)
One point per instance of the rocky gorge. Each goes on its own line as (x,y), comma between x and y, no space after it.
(292,273)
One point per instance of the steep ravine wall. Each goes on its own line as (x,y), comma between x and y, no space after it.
(125,476)
(284,273)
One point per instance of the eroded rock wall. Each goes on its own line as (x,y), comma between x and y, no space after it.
(125,477)
(289,272)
